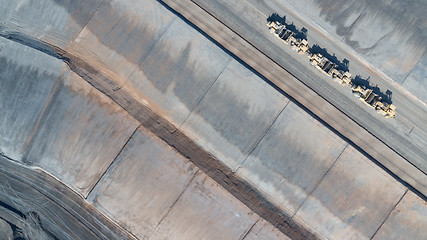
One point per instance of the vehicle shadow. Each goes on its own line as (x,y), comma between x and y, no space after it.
(386,96)
(302,33)
(341,65)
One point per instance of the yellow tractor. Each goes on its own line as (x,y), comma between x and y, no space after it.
(341,77)
(322,63)
(385,109)
(300,45)
(274,26)
(373,100)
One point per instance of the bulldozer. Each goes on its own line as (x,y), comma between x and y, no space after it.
(287,36)
(341,77)
(300,45)
(329,68)
(274,26)
(367,95)
(322,63)
(385,109)
(373,100)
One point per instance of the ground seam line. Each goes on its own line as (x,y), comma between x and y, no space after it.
(388,215)
(321,180)
(263,136)
(173,204)
(250,229)
(112,162)
(204,95)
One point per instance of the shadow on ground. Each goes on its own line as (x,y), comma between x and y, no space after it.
(341,65)
(386,96)
(302,33)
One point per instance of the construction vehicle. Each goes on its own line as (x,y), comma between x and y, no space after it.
(329,68)
(322,63)
(373,100)
(280,31)
(287,36)
(385,109)
(274,26)
(271,24)
(300,45)
(341,77)
(367,95)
